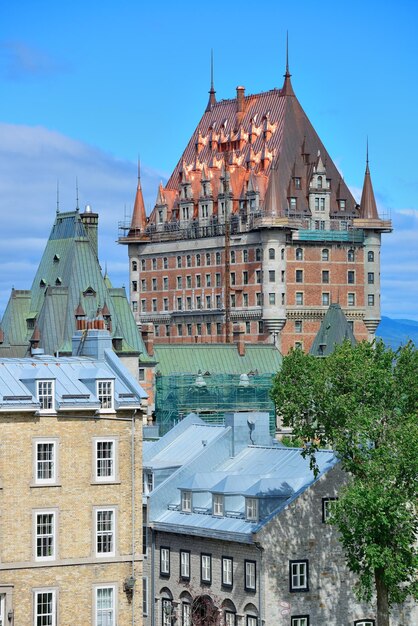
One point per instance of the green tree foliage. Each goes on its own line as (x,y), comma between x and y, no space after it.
(363,402)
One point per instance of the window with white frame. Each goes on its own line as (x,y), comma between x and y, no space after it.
(370,299)
(300,620)
(365,622)
(230,618)
(45,394)
(299,298)
(45,463)
(166,612)
(327,506)
(206,568)
(105,532)
(227,571)
(186,614)
(298,575)
(252,620)
(250,581)
(105,606)
(351,299)
(105,393)
(298,326)
(45,611)
(105,459)
(45,529)
(251,509)
(186,501)
(325,299)
(164,561)
(217,504)
(299,254)
(185,564)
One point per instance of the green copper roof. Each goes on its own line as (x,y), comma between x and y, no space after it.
(334,330)
(69,274)
(216,359)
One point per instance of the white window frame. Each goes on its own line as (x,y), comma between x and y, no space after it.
(298,575)
(365,622)
(299,620)
(326,508)
(52,613)
(230,618)
(109,532)
(45,394)
(250,575)
(42,463)
(2,609)
(299,298)
(105,478)
(186,501)
(205,568)
(218,502)
(105,389)
(186,614)
(164,561)
(251,509)
(166,614)
(251,620)
(144,595)
(227,571)
(43,536)
(185,564)
(104,611)
(351,299)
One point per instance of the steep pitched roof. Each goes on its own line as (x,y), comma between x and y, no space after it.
(68,277)
(139,216)
(368,208)
(334,330)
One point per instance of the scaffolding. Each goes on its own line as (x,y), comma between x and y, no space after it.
(211,396)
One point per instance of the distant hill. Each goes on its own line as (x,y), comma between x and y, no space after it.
(397,332)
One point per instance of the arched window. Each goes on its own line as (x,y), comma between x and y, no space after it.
(257,254)
(134,266)
(370,256)
(319,182)
(282,254)
(299,254)
(272,253)
(350,255)
(325,254)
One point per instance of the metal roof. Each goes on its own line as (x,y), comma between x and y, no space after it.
(334,330)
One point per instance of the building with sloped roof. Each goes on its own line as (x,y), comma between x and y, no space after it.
(70,487)
(334,330)
(255,226)
(236,532)
(69,288)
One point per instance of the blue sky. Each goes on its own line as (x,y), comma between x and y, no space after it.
(86,86)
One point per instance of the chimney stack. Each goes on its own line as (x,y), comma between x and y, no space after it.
(238,332)
(148,338)
(240,103)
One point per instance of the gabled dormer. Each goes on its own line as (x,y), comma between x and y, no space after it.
(160,208)
(319,196)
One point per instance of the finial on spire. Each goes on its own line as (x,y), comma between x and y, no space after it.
(139,169)
(212,92)
(58,196)
(367,153)
(287,89)
(77,208)
(287,54)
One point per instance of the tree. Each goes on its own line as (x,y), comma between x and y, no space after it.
(362,401)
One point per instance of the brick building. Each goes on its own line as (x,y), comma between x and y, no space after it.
(70,489)
(256,226)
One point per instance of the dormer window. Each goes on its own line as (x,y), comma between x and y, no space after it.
(105,394)
(251,509)
(160,216)
(217,504)
(319,182)
(56,258)
(298,184)
(45,395)
(185,212)
(342,205)
(89,292)
(319,204)
(292,204)
(58,282)
(148,482)
(42,283)
(186,501)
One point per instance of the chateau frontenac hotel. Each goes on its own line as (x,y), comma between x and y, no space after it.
(255,234)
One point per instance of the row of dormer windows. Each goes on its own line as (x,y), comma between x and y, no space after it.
(45,395)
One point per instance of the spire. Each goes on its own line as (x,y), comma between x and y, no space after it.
(77,208)
(368,208)
(272,199)
(139,217)
(58,196)
(212,92)
(287,89)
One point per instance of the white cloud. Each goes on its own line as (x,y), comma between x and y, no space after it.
(21,61)
(32,160)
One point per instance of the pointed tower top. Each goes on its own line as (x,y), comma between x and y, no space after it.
(77,208)
(139,170)
(368,208)
(212,92)
(139,217)
(58,196)
(287,88)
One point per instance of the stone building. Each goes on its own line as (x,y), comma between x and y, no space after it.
(70,488)
(237,532)
(255,225)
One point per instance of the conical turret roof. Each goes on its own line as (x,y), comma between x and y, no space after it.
(139,217)
(368,208)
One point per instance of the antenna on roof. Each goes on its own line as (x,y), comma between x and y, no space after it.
(77,208)
(58,196)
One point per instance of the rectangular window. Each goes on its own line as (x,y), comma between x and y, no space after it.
(299,276)
(189,303)
(45,536)
(208,280)
(259,299)
(206,568)
(245,299)
(233,300)
(272,298)
(217,504)
(105,393)
(325,299)
(189,330)
(251,509)
(45,391)
(365,622)
(143,306)
(299,298)
(165,304)
(165,263)
(272,276)
(370,299)
(218,328)
(370,278)
(252,620)
(154,305)
(179,282)
(46,463)
(229,618)
(258,277)
(179,304)
(166,612)
(105,532)
(300,620)
(186,501)
(327,504)
(154,264)
(351,299)
(199,328)
(185,564)
(250,581)
(351,277)
(245,256)
(134,285)
(105,606)
(154,284)
(105,460)
(145,596)
(186,614)
(208,302)
(179,330)
(227,571)
(298,326)
(143,284)
(260,328)
(209,328)
(188,282)
(233,278)
(245,278)
(217,280)
(164,561)
(198,280)
(325,276)
(45,608)
(298,575)
(134,310)
(283,274)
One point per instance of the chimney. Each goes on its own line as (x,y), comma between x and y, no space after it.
(91,222)
(238,332)
(240,103)
(148,338)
